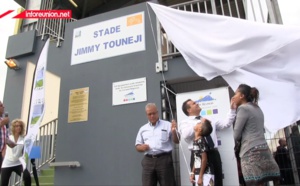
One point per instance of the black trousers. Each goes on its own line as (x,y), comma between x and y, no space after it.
(158,170)
(6,173)
(215,160)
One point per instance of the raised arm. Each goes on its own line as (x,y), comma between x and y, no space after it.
(228,121)
(4,121)
(175,134)
(186,131)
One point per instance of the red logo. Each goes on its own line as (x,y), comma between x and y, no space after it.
(45,14)
(41,14)
(6,13)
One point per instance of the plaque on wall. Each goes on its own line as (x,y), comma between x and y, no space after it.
(78,105)
(130,91)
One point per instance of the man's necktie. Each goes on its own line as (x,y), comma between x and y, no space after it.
(210,142)
(208,139)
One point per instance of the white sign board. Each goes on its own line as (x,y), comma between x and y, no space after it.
(130,91)
(215,105)
(109,38)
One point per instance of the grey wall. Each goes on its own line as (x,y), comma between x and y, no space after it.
(104,145)
(21,44)
(15,80)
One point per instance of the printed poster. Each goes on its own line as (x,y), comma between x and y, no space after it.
(130,91)
(215,104)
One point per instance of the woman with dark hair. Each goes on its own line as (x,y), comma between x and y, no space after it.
(257,163)
(14,152)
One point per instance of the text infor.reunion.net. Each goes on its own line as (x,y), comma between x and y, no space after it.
(45,14)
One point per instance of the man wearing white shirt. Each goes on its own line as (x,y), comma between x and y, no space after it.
(186,129)
(154,139)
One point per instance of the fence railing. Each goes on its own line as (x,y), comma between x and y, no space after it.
(263,11)
(54,28)
(232,8)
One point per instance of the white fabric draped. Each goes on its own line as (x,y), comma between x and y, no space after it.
(265,56)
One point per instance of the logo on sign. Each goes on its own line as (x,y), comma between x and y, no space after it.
(129,97)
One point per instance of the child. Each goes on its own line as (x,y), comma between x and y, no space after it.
(202,172)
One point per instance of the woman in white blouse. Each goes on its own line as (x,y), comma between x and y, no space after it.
(14,151)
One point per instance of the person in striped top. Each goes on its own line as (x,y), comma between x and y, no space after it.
(4,121)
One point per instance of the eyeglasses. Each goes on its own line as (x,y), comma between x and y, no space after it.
(152,113)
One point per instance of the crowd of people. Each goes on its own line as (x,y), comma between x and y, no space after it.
(256,163)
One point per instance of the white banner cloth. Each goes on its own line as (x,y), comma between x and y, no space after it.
(37,102)
(265,56)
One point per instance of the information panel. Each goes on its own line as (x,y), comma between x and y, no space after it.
(109,38)
(215,106)
(78,105)
(130,91)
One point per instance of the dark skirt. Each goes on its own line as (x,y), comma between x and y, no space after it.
(259,166)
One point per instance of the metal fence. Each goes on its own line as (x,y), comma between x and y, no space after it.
(264,11)
(232,8)
(54,28)
(285,146)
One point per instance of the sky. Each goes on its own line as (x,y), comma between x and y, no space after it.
(6,29)
(290,11)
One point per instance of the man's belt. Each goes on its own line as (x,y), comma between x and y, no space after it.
(158,155)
